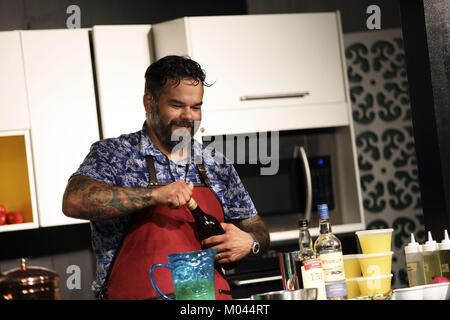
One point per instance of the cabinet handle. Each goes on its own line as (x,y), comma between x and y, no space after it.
(275,96)
(299,152)
(258,280)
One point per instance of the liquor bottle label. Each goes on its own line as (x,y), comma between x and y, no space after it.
(445,267)
(333,266)
(312,275)
(336,290)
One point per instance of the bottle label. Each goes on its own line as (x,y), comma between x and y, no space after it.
(333,266)
(411,267)
(312,275)
(336,290)
(445,267)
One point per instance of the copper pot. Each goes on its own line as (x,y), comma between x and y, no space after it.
(29,283)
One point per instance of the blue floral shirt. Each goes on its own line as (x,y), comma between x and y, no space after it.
(121,161)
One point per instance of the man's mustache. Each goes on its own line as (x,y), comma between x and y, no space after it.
(182,123)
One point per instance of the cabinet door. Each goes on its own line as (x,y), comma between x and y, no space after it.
(122,55)
(268,55)
(13,93)
(63,112)
(269,72)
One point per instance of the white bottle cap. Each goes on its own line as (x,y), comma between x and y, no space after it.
(430,245)
(445,244)
(413,246)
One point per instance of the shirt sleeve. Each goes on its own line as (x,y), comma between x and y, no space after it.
(96,164)
(237,201)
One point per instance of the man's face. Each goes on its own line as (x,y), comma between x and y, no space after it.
(172,117)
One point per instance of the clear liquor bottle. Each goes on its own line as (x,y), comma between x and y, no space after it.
(329,249)
(308,266)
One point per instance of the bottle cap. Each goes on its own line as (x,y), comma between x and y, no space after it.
(302,223)
(445,244)
(430,245)
(323,211)
(413,246)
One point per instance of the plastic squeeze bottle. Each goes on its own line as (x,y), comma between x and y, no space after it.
(414,263)
(431,262)
(444,255)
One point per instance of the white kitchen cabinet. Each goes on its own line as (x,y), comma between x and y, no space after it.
(17,185)
(63,115)
(122,55)
(257,63)
(13,92)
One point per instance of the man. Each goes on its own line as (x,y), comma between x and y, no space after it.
(134,189)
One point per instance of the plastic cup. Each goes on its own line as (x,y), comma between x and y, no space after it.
(376,264)
(352,268)
(352,288)
(369,286)
(375,241)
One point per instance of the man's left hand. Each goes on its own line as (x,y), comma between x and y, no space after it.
(231,246)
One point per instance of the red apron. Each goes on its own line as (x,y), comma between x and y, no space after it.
(153,234)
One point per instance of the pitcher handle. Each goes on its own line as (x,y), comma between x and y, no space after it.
(153,281)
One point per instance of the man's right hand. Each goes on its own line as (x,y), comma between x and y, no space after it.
(174,195)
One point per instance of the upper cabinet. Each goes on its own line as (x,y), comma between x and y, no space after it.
(122,55)
(62,109)
(13,91)
(287,66)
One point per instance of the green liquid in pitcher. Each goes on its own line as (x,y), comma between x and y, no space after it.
(200,289)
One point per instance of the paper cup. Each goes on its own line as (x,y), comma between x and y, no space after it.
(352,288)
(352,268)
(376,264)
(375,241)
(374,285)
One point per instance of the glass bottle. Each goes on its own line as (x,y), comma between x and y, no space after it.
(207,226)
(329,249)
(308,266)
(414,263)
(431,263)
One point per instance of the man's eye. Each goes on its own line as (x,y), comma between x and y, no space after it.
(196,107)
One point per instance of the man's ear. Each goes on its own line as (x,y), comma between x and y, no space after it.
(147,100)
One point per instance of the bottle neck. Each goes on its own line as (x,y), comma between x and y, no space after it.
(305,239)
(324,226)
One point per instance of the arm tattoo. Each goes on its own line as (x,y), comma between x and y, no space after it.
(256,226)
(86,198)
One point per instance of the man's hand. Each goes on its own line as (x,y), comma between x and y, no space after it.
(236,243)
(174,195)
(231,246)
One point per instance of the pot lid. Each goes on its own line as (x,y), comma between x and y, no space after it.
(28,276)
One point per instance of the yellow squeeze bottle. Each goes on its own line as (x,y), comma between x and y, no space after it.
(431,261)
(444,255)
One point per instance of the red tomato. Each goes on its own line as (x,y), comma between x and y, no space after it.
(14,217)
(2,209)
(2,218)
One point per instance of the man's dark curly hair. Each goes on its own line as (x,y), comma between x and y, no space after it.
(172,68)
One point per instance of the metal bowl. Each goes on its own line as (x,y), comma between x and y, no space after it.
(301,294)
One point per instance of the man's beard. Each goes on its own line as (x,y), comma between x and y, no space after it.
(179,138)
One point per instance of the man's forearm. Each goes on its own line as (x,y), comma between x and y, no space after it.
(86,198)
(256,226)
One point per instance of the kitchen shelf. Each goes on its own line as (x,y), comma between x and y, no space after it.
(17,186)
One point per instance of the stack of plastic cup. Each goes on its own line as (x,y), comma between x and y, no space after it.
(375,261)
(352,271)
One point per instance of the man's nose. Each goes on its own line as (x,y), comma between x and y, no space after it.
(187,114)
